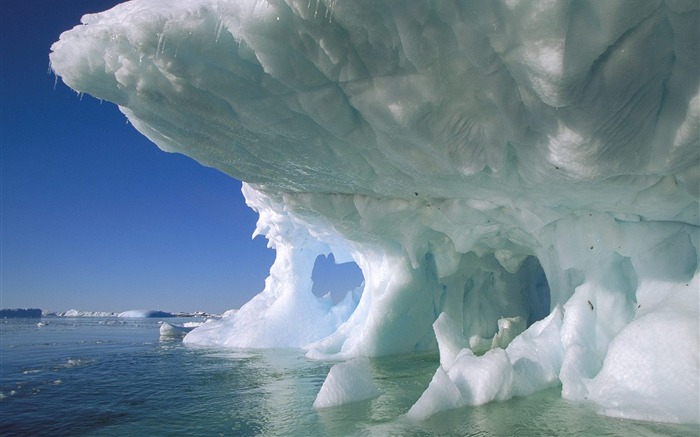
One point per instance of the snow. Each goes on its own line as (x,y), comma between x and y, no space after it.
(490,167)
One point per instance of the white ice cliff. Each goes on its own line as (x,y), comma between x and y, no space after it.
(490,166)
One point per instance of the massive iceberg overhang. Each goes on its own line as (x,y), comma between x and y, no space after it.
(492,167)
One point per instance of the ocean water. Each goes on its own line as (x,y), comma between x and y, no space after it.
(114,377)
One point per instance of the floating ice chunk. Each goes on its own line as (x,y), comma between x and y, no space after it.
(168,330)
(350,381)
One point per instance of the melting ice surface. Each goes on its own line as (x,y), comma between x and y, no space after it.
(492,167)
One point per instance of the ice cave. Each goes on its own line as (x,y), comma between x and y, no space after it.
(517,180)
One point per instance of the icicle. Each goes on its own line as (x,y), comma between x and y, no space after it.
(219,28)
(161,43)
(329,10)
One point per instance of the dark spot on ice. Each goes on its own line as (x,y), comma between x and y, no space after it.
(415,193)
(591,247)
(639,306)
(590,305)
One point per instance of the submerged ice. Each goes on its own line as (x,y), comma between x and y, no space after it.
(517,181)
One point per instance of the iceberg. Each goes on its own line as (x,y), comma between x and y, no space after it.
(145,314)
(171,331)
(527,162)
(20,313)
(78,313)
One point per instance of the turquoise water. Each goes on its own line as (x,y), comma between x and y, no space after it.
(113,377)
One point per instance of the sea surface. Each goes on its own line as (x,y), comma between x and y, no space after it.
(115,377)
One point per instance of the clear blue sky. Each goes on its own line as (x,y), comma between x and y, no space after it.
(97,218)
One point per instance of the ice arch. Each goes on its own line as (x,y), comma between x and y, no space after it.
(328,276)
(448,148)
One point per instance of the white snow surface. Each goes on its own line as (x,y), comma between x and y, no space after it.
(479,161)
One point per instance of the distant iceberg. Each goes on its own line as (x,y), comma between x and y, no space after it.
(17,313)
(77,313)
(130,313)
(145,314)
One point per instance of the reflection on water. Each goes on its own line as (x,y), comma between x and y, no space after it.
(112,377)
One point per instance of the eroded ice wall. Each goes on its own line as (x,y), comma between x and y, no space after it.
(490,166)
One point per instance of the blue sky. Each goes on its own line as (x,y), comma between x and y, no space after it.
(97,218)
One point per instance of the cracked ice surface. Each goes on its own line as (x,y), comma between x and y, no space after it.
(490,166)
